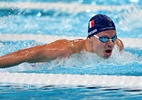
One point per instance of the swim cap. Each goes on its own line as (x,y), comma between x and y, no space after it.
(99,23)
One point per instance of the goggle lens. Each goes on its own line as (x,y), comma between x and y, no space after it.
(105,39)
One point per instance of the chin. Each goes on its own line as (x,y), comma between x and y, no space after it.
(106,57)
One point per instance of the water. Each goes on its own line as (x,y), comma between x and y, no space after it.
(66,23)
(64,93)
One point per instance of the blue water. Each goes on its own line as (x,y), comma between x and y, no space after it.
(64,23)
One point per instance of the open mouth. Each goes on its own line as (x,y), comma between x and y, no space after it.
(108,51)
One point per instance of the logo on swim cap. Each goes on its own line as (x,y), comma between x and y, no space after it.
(99,23)
(93,31)
(91,23)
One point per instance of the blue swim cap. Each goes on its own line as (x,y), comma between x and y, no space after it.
(99,23)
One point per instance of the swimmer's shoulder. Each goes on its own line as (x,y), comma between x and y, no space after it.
(60,41)
(66,46)
(77,41)
(64,41)
(78,45)
(120,44)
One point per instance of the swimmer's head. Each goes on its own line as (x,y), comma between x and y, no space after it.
(99,23)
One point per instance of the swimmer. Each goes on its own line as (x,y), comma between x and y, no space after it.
(101,40)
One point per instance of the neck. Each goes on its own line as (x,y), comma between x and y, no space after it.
(87,46)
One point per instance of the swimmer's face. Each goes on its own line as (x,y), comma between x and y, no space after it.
(103,49)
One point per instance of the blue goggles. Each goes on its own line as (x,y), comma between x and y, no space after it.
(105,39)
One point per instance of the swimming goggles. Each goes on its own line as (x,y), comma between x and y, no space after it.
(105,39)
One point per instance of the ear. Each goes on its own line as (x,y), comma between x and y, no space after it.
(89,45)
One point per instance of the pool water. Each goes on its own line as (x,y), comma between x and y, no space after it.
(17,92)
(38,21)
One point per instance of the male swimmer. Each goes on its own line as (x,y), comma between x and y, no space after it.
(101,40)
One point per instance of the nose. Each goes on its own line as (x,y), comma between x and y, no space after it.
(110,44)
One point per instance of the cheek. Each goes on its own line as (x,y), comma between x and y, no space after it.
(98,46)
(101,47)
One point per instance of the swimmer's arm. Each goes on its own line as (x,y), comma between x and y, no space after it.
(120,44)
(15,58)
(31,55)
